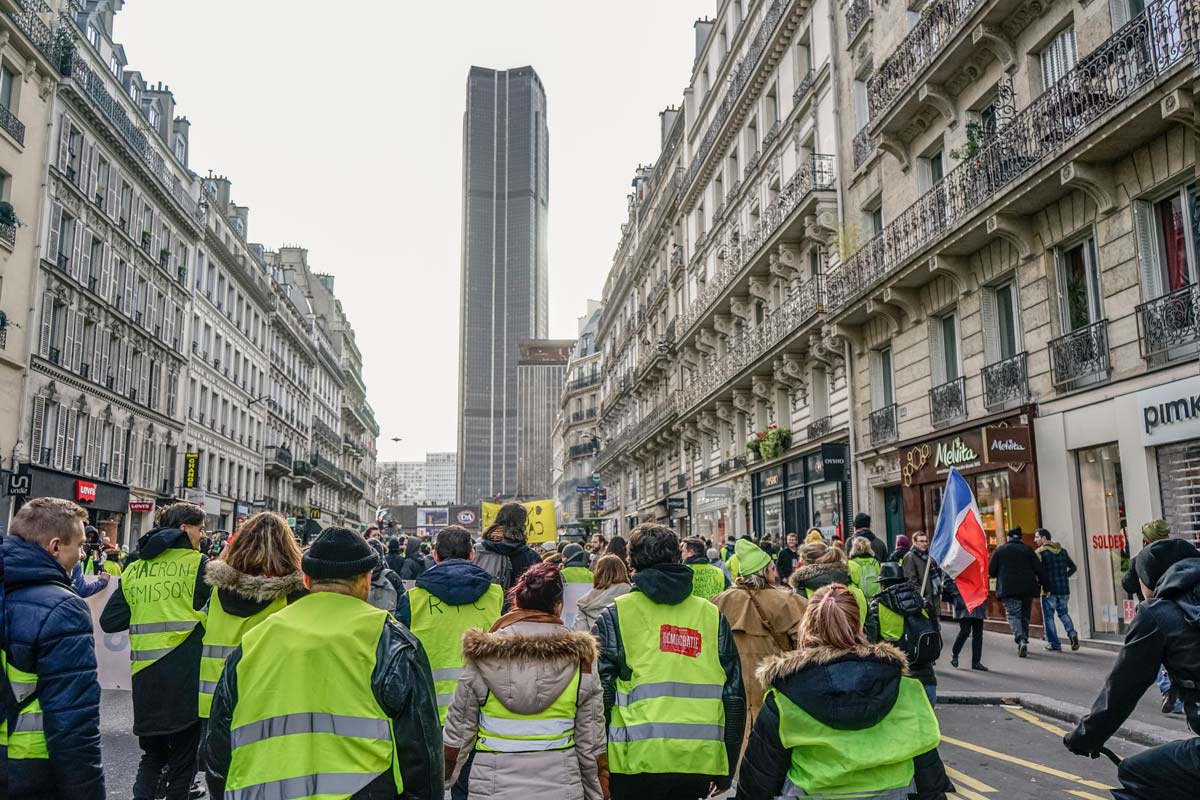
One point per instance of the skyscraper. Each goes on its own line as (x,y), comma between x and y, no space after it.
(504,268)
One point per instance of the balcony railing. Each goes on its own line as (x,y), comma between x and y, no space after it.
(816,174)
(278,459)
(8,233)
(1169,326)
(864,147)
(1148,46)
(1080,357)
(805,84)
(819,427)
(580,450)
(585,414)
(10,123)
(1005,381)
(326,468)
(748,347)
(856,16)
(884,425)
(28,22)
(584,382)
(948,402)
(355,483)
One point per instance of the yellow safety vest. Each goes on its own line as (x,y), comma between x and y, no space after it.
(306,723)
(668,716)
(708,580)
(28,738)
(441,626)
(576,575)
(159,592)
(223,632)
(505,731)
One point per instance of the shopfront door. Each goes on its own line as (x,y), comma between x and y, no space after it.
(893,509)
(1102,509)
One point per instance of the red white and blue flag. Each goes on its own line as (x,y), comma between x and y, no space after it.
(959,544)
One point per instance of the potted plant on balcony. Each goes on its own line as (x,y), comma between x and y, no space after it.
(754,445)
(774,441)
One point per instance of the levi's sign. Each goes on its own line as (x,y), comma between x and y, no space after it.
(85,491)
(1170,412)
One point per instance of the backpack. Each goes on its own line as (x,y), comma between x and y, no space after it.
(382,594)
(919,639)
(868,575)
(495,564)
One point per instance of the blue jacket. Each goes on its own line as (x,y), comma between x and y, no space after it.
(47,630)
(84,587)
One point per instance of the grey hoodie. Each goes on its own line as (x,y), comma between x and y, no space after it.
(595,601)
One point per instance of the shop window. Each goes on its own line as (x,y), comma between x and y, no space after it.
(1102,509)
(1179,482)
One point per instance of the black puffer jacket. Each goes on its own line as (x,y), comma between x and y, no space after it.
(1165,630)
(904,599)
(47,630)
(670,584)
(809,578)
(413,564)
(1017,570)
(402,684)
(166,693)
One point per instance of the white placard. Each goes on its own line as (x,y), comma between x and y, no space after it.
(571,594)
(112,649)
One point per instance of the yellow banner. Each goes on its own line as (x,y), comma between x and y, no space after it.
(539,527)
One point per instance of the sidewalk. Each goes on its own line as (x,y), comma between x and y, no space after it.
(1070,677)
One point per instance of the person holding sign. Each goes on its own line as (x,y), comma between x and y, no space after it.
(503,551)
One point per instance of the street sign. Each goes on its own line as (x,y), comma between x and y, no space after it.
(585,489)
(18,485)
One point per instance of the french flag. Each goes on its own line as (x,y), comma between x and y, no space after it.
(959,545)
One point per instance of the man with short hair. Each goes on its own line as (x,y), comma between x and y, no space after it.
(1019,577)
(329,663)
(789,557)
(862,527)
(707,581)
(50,731)
(672,679)
(1059,567)
(917,562)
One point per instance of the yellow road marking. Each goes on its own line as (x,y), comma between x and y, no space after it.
(959,777)
(1027,764)
(1027,716)
(1085,795)
(967,794)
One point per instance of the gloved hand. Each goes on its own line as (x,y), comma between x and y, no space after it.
(719,785)
(1076,744)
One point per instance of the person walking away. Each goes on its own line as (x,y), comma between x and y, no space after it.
(50,730)
(714,558)
(863,567)
(575,564)
(413,564)
(387,589)
(257,575)
(898,615)
(618,547)
(329,663)
(1059,568)
(841,718)
(448,600)
(673,695)
(707,581)
(924,573)
(529,702)
(970,624)
(160,601)
(609,581)
(814,536)
(789,557)
(1019,578)
(903,545)
(502,551)
(821,565)
(395,555)
(1163,631)
(763,616)
(862,527)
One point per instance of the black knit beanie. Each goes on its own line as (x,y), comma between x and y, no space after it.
(1153,561)
(338,553)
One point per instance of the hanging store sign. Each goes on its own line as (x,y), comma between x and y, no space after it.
(140,506)
(191,470)
(85,491)
(19,484)
(1007,445)
(955,453)
(1171,412)
(833,461)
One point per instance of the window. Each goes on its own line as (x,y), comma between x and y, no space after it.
(874,221)
(152,115)
(114,66)
(861,115)
(1078,285)
(1058,58)
(943,348)
(1168,241)
(883,391)
(93,36)
(1000,323)
(1124,10)
(931,170)
(7,81)
(135,93)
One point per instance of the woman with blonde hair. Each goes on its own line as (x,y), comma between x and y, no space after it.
(863,566)
(257,574)
(610,580)
(854,724)
(822,565)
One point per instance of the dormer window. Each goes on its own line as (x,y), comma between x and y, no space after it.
(93,36)
(152,116)
(135,93)
(115,67)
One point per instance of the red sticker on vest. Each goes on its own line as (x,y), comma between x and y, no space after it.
(684,641)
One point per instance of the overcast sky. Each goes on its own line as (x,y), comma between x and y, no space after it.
(340,127)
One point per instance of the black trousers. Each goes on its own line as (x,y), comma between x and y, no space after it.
(173,757)
(665,786)
(974,628)
(1167,772)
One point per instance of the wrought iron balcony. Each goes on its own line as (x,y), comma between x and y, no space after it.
(321,427)
(1169,326)
(752,164)
(324,468)
(1005,381)
(676,256)
(948,402)
(771,135)
(815,175)
(1152,43)
(705,474)
(580,450)
(302,477)
(10,123)
(8,233)
(1080,357)
(864,147)
(803,87)
(681,481)
(278,460)
(856,17)
(884,425)
(28,23)
(356,484)
(800,306)
(819,427)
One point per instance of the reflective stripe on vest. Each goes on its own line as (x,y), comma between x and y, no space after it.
(223,633)
(160,592)
(668,717)
(27,738)
(296,733)
(868,762)
(576,575)
(441,626)
(505,731)
(708,580)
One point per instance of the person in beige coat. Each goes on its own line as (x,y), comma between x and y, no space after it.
(527,660)
(610,580)
(764,618)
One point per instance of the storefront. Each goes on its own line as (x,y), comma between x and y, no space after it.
(679,513)
(997,461)
(812,491)
(712,507)
(107,504)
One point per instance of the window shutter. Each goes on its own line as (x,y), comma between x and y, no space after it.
(47,325)
(876,369)
(77,352)
(64,143)
(991,325)
(144,391)
(131,453)
(1119,9)
(69,444)
(128,306)
(52,241)
(60,435)
(106,271)
(937,352)
(93,176)
(116,470)
(114,181)
(89,454)
(84,252)
(128,368)
(1148,258)
(68,348)
(155,233)
(37,429)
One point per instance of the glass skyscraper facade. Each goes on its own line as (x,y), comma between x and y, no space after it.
(504,268)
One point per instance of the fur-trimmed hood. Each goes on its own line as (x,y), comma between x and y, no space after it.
(244,595)
(527,665)
(814,576)
(844,690)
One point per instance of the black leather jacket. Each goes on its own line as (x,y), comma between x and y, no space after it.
(669,584)
(403,685)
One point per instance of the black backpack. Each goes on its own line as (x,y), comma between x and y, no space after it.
(920,639)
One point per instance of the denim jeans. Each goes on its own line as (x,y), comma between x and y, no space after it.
(1016,610)
(1056,604)
(1163,682)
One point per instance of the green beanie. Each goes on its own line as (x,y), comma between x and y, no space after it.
(751,557)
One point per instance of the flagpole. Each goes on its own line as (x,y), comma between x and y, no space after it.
(925,579)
